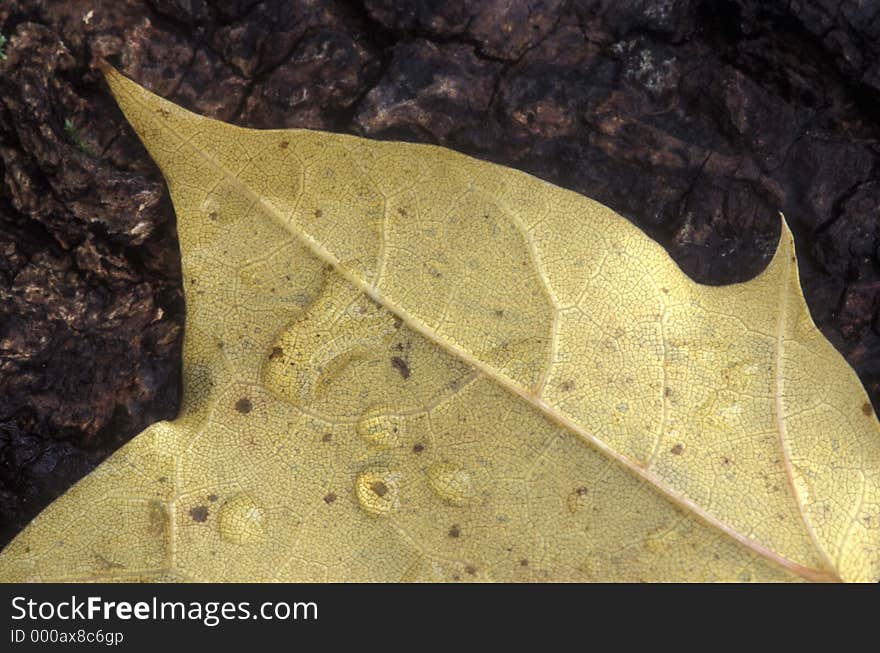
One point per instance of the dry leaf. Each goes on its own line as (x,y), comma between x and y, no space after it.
(405,364)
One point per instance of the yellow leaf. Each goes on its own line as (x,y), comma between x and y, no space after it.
(405,364)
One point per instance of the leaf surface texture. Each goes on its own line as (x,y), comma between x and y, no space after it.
(404,364)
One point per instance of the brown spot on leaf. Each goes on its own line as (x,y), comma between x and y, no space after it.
(418,447)
(667,392)
(677,449)
(158,518)
(582,491)
(212,497)
(379,488)
(212,216)
(567,386)
(454,530)
(284,144)
(199,513)
(318,213)
(523,563)
(401,366)
(867,409)
(244,405)
(471,570)
(276,353)
(326,437)
(330,497)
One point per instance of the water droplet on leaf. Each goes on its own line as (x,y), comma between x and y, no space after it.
(380,429)
(377,492)
(241,520)
(451,482)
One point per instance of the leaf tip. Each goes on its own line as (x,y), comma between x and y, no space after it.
(148,114)
(115,80)
(785,255)
(105,68)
